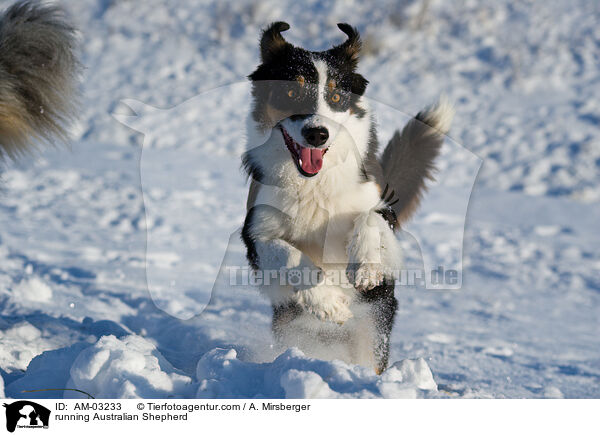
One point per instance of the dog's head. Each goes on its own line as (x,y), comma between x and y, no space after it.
(307,108)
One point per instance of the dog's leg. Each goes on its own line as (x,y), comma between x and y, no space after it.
(267,252)
(373,251)
(285,270)
(292,276)
(383,306)
(290,279)
(330,303)
(294,279)
(300,283)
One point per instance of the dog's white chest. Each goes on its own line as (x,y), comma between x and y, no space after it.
(322,223)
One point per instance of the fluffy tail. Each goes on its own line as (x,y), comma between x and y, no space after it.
(408,159)
(38,76)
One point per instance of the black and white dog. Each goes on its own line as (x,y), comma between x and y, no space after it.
(39,74)
(321,200)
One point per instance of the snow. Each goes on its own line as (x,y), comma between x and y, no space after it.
(293,376)
(21,342)
(33,290)
(128,368)
(79,309)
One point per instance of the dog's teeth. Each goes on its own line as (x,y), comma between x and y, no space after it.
(300,161)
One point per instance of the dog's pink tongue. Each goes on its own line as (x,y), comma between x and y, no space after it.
(311,160)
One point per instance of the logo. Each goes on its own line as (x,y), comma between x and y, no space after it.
(172,263)
(26,414)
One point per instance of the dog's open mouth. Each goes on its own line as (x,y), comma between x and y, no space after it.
(309,161)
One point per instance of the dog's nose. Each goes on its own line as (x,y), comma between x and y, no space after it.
(315,136)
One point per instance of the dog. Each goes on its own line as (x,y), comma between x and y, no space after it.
(321,200)
(39,72)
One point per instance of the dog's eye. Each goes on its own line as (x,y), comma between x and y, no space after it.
(335,98)
(291,93)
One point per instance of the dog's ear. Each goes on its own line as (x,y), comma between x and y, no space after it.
(359,84)
(271,41)
(351,47)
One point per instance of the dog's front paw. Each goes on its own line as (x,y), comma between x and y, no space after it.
(338,312)
(328,304)
(366,276)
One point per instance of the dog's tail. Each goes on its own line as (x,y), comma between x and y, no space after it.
(39,73)
(408,159)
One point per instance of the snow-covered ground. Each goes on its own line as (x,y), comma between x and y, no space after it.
(78,309)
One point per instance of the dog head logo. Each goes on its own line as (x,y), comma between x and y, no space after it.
(26,414)
(194,197)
